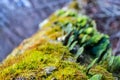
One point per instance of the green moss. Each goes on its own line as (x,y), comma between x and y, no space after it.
(44,56)
(99,69)
(54,32)
(97,77)
(51,59)
(54,55)
(69,71)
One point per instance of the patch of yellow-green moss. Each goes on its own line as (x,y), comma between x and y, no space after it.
(54,33)
(33,64)
(100,70)
(36,60)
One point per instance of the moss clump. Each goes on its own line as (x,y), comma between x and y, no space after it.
(36,60)
(99,69)
(47,61)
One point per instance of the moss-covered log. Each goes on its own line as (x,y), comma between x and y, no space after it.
(67,47)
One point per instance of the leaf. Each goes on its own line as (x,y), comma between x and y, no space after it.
(72,45)
(115,67)
(96,37)
(84,38)
(79,52)
(96,77)
(91,64)
(107,57)
(89,30)
(82,20)
(80,31)
(68,28)
(111,61)
(70,40)
(100,47)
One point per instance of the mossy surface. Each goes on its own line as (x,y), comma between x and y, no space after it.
(34,62)
(67,47)
(99,69)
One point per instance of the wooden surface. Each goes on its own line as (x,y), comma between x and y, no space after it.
(19,19)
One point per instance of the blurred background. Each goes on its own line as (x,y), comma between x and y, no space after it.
(19,19)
